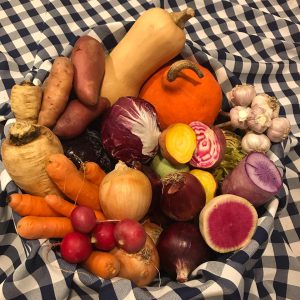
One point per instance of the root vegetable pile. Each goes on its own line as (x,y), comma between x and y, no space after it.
(127,165)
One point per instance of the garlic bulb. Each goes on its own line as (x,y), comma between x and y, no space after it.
(238,116)
(259,119)
(258,142)
(279,129)
(270,104)
(242,95)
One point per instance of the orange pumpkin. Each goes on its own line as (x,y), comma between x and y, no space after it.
(183,92)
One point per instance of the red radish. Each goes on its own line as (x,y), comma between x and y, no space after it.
(130,235)
(104,235)
(183,196)
(83,219)
(227,223)
(210,147)
(75,247)
(256,178)
(181,249)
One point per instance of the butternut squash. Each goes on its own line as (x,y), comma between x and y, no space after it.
(156,37)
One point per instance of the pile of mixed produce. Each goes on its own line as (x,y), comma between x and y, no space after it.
(120,159)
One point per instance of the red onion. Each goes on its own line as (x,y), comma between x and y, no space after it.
(181,249)
(183,196)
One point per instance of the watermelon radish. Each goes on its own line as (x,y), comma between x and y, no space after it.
(227,223)
(256,178)
(211,145)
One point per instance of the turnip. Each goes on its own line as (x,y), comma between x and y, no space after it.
(256,178)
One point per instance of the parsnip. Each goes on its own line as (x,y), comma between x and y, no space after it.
(25,100)
(24,155)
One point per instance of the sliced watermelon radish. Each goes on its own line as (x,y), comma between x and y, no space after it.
(255,178)
(210,147)
(227,223)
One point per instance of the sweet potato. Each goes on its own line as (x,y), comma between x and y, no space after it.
(57,91)
(77,117)
(89,64)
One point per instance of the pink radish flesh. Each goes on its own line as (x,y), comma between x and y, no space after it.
(233,232)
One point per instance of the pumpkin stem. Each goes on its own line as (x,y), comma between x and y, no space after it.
(180,65)
(181,17)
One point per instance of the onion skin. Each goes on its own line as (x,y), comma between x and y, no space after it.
(125,193)
(181,249)
(183,196)
(141,267)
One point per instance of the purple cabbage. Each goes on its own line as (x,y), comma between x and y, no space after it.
(130,130)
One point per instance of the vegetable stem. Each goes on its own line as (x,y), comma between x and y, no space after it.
(179,65)
(181,17)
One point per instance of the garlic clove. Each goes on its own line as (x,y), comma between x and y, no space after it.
(242,95)
(238,116)
(258,142)
(259,119)
(279,129)
(269,103)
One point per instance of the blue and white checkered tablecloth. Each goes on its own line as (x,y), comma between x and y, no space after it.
(241,41)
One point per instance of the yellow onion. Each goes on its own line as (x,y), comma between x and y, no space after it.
(141,267)
(125,193)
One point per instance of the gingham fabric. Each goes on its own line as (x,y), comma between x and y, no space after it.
(241,41)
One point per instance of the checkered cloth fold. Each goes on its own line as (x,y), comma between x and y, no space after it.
(255,42)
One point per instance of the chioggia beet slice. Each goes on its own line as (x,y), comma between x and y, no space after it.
(256,178)
(211,145)
(227,223)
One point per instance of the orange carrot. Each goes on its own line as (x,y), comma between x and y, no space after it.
(32,227)
(65,208)
(60,205)
(99,215)
(92,172)
(69,180)
(30,205)
(102,264)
